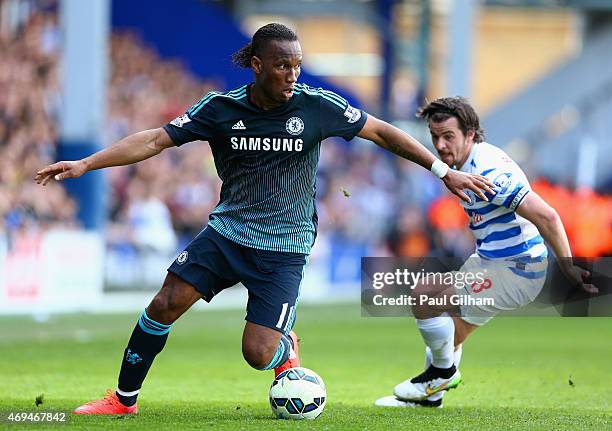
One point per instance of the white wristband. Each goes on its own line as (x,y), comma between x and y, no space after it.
(439,168)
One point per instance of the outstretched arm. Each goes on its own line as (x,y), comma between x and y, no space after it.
(131,149)
(548,222)
(398,142)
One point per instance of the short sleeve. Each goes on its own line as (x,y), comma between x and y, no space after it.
(195,124)
(511,186)
(338,118)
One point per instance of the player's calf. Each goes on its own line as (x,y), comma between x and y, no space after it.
(258,356)
(265,348)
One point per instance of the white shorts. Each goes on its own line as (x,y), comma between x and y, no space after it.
(507,285)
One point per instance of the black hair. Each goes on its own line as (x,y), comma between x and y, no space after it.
(260,40)
(445,107)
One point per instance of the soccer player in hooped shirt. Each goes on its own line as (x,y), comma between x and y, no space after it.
(265,139)
(510,232)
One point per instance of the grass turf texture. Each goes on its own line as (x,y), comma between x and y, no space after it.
(516,372)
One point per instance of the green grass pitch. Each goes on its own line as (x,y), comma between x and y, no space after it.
(516,372)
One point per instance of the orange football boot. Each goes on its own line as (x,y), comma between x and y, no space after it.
(109,405)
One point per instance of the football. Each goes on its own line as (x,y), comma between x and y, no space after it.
(297,393)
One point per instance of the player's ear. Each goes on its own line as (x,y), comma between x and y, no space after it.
(256,64)
(471,133)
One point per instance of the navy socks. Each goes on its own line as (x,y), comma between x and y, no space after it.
(147,340)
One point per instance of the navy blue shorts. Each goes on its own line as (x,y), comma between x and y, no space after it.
(211,263)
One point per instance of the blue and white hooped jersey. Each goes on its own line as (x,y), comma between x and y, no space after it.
(501,233)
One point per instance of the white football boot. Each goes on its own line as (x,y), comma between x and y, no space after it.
(431,381)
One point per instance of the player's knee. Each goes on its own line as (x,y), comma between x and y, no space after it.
(421,312)
(257,355)
(420,289)
(420,308)
(158,309)
(174,298)
(165,308)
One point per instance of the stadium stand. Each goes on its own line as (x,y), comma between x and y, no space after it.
(152,215)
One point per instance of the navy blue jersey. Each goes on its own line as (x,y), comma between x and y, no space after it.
(267,160)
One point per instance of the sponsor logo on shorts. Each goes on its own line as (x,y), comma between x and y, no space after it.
(182,258)
(479,287)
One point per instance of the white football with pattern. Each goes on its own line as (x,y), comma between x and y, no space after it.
(298,393)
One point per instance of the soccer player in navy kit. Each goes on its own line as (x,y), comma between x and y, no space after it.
(265,139)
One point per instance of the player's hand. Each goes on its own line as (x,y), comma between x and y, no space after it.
(60,171)
(578,277)
(457,182)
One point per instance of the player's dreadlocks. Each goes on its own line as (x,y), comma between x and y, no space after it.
(265,34)
(442,109)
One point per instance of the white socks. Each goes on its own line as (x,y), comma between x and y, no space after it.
(456,356)
(439,335)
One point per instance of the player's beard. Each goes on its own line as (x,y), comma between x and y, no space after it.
(466,148)
(453,158)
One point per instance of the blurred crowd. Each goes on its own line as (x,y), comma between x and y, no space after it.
(29,108)
(369,202)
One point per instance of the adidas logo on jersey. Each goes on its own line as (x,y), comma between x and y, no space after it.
(239,126)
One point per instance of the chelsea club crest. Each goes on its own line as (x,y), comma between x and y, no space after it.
(182,258)
(294,125)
